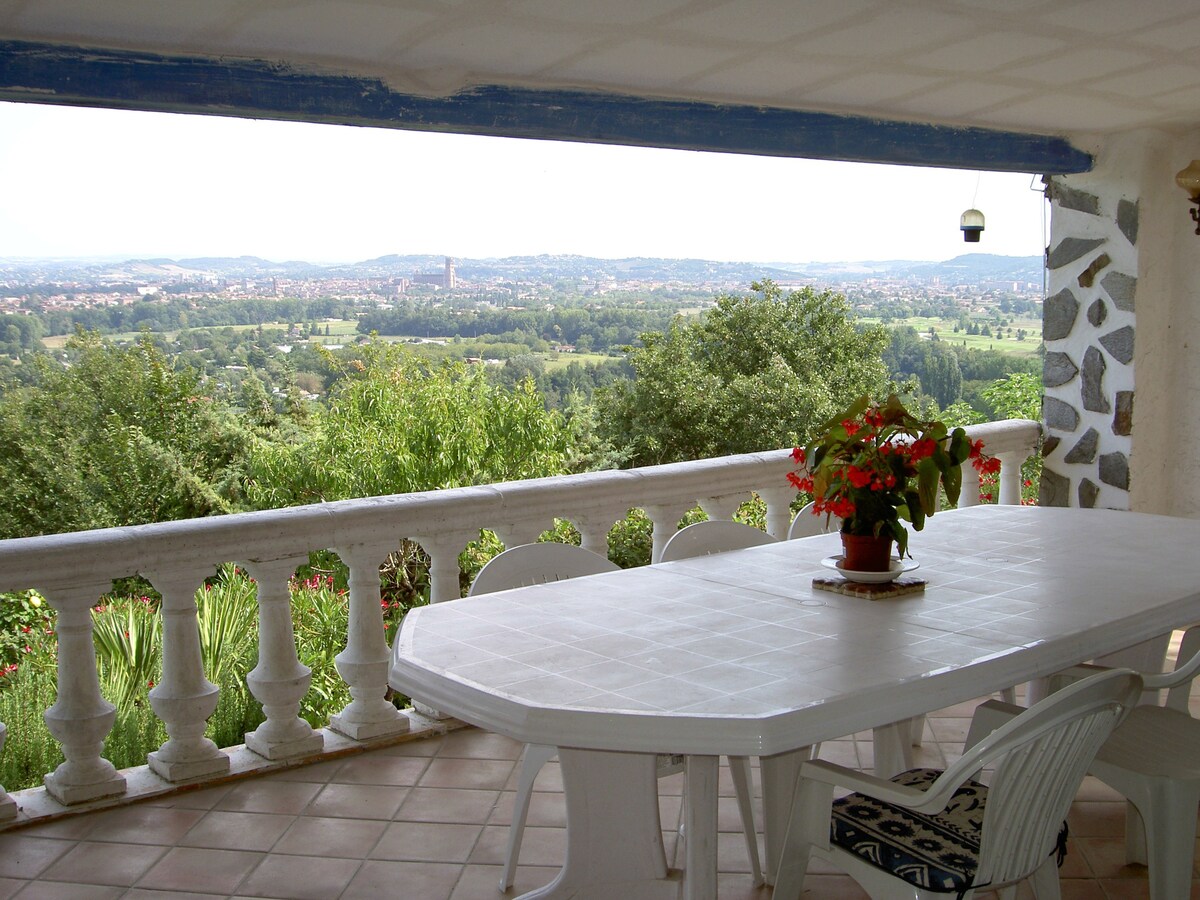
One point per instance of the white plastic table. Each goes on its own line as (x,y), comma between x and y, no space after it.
(737,654)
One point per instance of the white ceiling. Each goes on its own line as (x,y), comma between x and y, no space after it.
(1045,66)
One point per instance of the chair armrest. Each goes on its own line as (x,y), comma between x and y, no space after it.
(888,791)
(1184,673)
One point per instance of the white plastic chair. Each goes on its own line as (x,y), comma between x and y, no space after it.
(713,536)
(1153,759)
(806,524)
(963,836)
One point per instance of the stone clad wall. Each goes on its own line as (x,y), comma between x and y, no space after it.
(1088,329)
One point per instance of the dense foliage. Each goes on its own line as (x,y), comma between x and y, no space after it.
(754,373)
(116,437)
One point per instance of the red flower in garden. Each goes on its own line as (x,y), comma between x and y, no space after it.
(859,478)
(852,427)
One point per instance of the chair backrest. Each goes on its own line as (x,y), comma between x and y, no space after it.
(537,564)
(1186,667)
(1039,759)
(806,524)
(713,536)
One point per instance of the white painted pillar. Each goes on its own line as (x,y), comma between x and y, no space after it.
(722,508)
(279,681)
(779,509)
(595,526)
(8,806)
(443,550)
(968,495)
(1010,477)
(364,663)
(80,719)
(666,522)
(184,698)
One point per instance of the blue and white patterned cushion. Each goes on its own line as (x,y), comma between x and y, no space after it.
(939,852)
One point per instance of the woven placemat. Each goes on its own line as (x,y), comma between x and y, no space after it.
(897,588)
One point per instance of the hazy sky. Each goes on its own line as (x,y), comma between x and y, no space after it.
(87,182)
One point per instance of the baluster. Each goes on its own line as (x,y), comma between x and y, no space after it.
(517,533)
(8,806)
(779,509)
(80,718)
(279,681)
(184,698)
(721,507)
(443,550)
(968,494)
(1010,476)
(666,522)
(594,528)
(364,663)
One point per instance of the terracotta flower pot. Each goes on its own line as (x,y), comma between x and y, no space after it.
(866,553)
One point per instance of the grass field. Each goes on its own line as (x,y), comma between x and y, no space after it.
(945,332)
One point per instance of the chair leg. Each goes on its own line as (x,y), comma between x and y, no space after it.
(1170,821)
(1045,879)
(534,757)
(739,768)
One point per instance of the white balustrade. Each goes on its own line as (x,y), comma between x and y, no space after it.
(364,663)
(279,681)
(8,806)
(80,719)
(183,697)
(175,555)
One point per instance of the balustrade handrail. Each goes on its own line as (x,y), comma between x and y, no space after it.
(73,570)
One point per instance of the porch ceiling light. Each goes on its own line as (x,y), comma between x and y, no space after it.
(1189,180)
(971,224)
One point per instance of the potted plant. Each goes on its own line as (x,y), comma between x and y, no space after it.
(875,466)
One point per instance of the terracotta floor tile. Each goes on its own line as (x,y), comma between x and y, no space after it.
(95,863)
(300,877)
(549,778)
(350,832)
(474,744)
(427,842)
(269,796)
(480,774)
(61,890)
(320,836)
(482,882)
(1080,889)
(539,846)
(1097,818)
(545,809)
(144,894)
(357,801)
(445,805)
(24,856)
(227,830)
(395,770)
(384,878)
(200,870)
(143,824)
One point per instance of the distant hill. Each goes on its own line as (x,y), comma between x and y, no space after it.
(969,267)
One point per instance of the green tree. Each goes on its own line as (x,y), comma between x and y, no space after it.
(119,437)
(396,423)
(755,372)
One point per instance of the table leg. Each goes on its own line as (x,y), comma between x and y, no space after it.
(614,837)
(700,829)
(778,784)
(893,748)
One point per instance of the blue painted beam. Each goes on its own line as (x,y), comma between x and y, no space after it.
(81,76)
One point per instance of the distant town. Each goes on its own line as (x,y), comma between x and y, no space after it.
(967,282)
